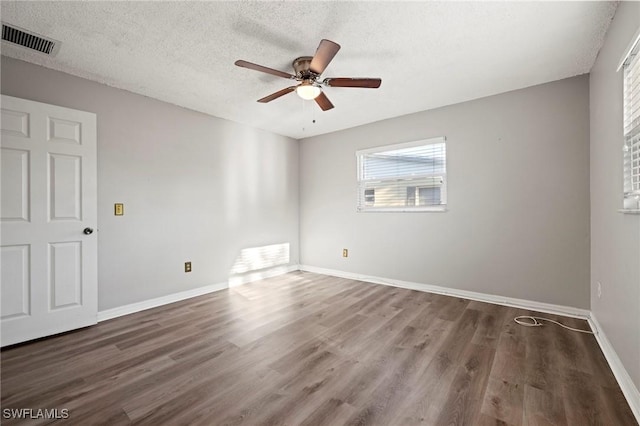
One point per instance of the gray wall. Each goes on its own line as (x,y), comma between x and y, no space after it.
(518,198)
(615,237)
(195,187)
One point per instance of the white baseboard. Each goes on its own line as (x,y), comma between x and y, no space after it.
(158,301)
(549,308)
(629,389)
(188,294)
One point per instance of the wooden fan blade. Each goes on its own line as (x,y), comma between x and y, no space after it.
(324,54)
(256,67)
(323,101)
(369,83)
(277,94)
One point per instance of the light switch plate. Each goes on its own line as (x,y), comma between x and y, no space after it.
(118,209)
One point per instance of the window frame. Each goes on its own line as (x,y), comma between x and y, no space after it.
(402,209)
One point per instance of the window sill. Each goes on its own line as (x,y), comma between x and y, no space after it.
(629,211)
(438,209)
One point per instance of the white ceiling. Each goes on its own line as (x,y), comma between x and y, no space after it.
(428,54)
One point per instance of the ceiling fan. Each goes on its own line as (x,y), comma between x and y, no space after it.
(307,71)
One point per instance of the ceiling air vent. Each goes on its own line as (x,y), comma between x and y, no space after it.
(29,39)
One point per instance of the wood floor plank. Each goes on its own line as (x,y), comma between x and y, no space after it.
(485,420)
(616,404)
(583,402)
(503,401)
(309,349)
(466,393)
(331,412)
(541,407)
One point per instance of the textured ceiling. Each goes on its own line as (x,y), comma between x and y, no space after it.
(428,54)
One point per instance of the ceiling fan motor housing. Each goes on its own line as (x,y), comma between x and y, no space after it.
(301,66)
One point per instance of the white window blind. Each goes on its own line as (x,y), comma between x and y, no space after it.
(631,68)
(403,177)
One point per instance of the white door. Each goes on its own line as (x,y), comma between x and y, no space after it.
(48,267)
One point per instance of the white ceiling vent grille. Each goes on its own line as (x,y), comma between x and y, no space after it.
(29,39)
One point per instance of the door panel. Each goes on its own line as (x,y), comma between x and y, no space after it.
(64,187)
(64,131)
(15,281)
(14,123)
(49,266)
(65,280)
(14,174)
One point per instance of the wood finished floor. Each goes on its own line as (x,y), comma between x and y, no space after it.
(308,349)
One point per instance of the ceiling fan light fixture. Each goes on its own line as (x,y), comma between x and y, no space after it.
(308,91)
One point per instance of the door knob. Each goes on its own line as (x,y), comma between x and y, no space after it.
(88,231)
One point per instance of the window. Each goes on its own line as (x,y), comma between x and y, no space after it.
(631,150)
(405,177)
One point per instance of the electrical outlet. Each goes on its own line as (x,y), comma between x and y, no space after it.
(599,289)
(345,253)
(187,266)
